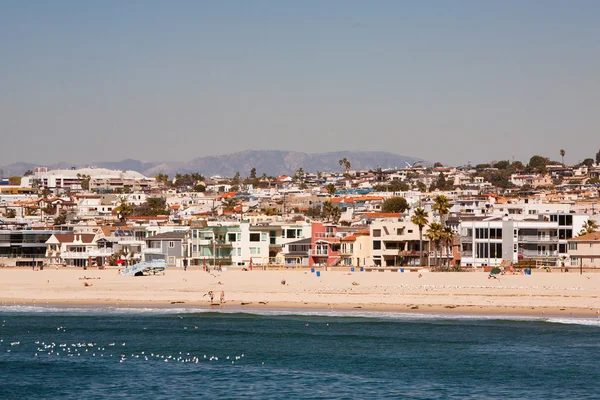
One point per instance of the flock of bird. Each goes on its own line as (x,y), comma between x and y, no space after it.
(110,350)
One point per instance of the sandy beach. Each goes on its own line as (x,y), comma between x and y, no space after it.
(541,293)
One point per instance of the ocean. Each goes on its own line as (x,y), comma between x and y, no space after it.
(96,353)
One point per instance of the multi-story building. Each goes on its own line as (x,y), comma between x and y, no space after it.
(395,242)
(78,249)
(544,237)
(23,247)
(213,245)
(171,247)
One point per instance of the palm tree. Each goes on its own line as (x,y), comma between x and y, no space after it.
(562,155)
(345,164)
(442,206)
(330,189)
(589,226)
(435,234)
(447,239)
(419,218)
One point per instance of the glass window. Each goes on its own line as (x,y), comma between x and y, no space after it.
(376,244)
(255,237)
(171,245)
(376,233)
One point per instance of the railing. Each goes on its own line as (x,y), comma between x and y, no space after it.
(316,252)
(325,235)
(85,254)
(537,239)
(538,253)
(466,253)
(153,251)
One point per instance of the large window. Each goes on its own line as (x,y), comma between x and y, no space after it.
(376,244)
(255,237)
(376,232)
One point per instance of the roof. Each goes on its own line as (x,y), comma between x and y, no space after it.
(169,236)
(70,237)
(306,241)
(590,237)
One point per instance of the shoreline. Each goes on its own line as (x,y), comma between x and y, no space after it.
(541,312)
(540,294)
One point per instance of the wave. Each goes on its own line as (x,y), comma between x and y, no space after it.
(300,313)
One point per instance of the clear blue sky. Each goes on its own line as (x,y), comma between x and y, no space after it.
(449,81)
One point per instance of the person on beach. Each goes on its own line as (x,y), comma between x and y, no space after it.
(222,297)
(212,296)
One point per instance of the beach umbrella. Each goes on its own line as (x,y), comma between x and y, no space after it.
(495,271)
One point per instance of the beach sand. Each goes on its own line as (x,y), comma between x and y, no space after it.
(540,294)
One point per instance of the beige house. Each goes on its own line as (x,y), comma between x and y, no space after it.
(584,251)
(355,249)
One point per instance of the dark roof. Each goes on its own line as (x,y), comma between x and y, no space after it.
(300,242)
(168,236)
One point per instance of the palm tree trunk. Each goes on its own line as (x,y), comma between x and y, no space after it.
(420,247)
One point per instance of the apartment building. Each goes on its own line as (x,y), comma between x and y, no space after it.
(488,241)
(395,242)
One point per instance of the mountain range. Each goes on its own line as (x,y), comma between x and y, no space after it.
(271,162)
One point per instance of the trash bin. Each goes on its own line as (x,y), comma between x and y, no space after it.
(527,271)
(312,270)
(362,269)
(401,269)
(352,269)
(318,273)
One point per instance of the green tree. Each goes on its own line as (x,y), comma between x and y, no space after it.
(61,219)
(435,235)
(162,179)
(331,212)
(14,180)
(331,189)
(589,226)
(124,209)
(538,163)
(447,237)
(598,157)
(395,205)
(441,204)
(588,162)
(420,218)
(153,206)
(252,173)
(421,187)
(504,164)
(562,156)
(438,165)
(28,173)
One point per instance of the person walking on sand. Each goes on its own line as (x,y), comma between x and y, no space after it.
(212,296)
(222,297)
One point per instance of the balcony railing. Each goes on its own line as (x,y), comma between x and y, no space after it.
(152,250)
(538,253)
(325,235)
(538,239)
(86,254)
(317,252)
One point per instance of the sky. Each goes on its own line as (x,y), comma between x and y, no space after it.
(450,81)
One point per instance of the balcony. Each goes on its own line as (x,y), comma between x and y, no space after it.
(153,250)
(537,253)
(321,235)
(318,252)
(538,239)
(69,255)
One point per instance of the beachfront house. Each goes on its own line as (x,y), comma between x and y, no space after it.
(172,247)
(78,249)
(537,239)
(214,245)
(584,251)
(296,253)
(395,242)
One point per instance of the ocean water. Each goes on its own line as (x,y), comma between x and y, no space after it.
(93,353)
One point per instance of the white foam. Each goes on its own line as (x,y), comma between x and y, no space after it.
(383,315)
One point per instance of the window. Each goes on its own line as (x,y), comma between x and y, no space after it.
(231,237)
(376,244)
(195,248)
(255,237)
(171,245)
(263,237)
(254,250)
(195,233)
(410,231)
(376,233)
(572,245)
(239,251)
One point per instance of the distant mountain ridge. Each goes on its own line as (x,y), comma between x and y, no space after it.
(271,162)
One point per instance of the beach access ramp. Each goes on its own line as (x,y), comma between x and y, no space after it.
(145,268)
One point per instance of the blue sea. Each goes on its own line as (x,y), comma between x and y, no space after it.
(94,353)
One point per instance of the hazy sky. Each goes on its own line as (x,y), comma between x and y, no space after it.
(449,81)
